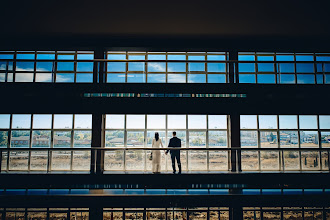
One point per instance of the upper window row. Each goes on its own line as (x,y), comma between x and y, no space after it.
(45,121)
(285,122)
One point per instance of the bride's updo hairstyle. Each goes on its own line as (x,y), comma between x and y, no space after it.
(156,136)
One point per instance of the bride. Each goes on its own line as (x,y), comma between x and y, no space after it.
(156,154)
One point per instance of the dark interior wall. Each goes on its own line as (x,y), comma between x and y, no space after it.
(243,25)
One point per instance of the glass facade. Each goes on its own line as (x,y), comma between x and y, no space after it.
(137,131)
(285,131)
(53,131)
(47,66)
(284,68)
(166,67)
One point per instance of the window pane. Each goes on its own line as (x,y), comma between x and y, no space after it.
(268,139)
(267,121)
(20,138)
(156,67)
(85,66)
(25,56)
(305,79)
(288,122)
(248,121)
(197,121)
(65,77)
(324,121)
(21,121)
(135,121)
(216,57)
(45,66)
(84,78)
(4,121)
(42,121)
(85,56)
(176,78)
(65,66)
(246,57)
(284,57)
(176,57)
(289,138)
(265,67)
(44,77)
(310,160)
(216,67)
(135,139)
(216,78)
(217,138)
(115,78)
(250,160)
(82,139)
(114,139)
(156,57)
(286,68)
(24,66)
(179,134)
(307,122)
(156,121)
(83,121)
(197,160)
(197,139)
(266,78)
(156,78)
(63,121)
(249,139)
(246,67)
(3,139)
(304,58)
(287,79)
(24,77)
(325,139)
(176,121)
(196,67)
(62,139)
(196,78)
(116,57)
(116,67)
(61,160)
(269,160)
(247,78)
(136,66)
(115,121)
(176,67)
(41,138)
(305,68)
(217,121)
(309,139)
(136,78)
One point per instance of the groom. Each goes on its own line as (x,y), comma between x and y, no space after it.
(175,142)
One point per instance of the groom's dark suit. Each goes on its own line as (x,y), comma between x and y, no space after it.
(175,142)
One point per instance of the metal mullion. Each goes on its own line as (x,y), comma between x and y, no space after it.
(72,141)
(35,67)
(125,142)
(9,140)
(319,139)
(126,72)
(258,142)
(295,68)
(55,67)
(187,144)
(166,131)
(206,69)
(145,142)
(50,153)
(187,68)
(75,66)
(278,144)
(298,124)
(6,71)
(207,143)
(166,68)
(146,67)
(14,66)
(256,73)
(315,69)
(30,144)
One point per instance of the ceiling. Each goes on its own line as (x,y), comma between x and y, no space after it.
(147,24)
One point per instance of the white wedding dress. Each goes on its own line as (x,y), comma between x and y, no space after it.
(156,155)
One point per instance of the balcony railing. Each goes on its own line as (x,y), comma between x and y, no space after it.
(193,160)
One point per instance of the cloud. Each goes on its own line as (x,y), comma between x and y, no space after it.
(156,67)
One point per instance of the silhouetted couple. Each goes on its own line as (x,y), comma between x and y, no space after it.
(175,154)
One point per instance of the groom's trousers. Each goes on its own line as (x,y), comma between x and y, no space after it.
(176,155)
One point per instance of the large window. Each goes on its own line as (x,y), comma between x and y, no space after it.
(166,67)
(284,68)
(285,131)
(137,131)
(47,66)
(56,132)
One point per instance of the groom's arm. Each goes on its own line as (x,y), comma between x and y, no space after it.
(169,145)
